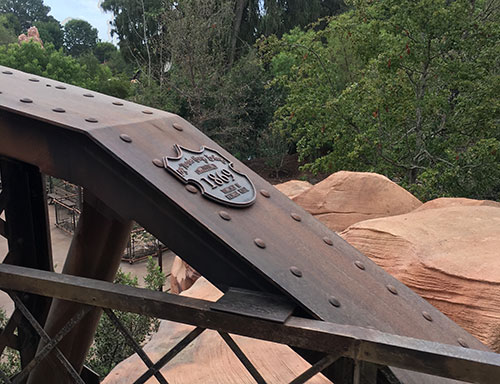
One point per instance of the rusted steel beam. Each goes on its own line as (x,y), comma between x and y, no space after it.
(130,340)
(358,343)
(118,150)
(27,230)
(95,252)
(325,362)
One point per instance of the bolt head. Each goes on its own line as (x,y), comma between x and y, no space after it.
(265,193)
(158,163)
(296,271)
(328,241)
(126,138)
(334,301)
(360,265)
(259,243)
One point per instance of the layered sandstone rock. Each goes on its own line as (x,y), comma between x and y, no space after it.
(182,276)
(293,188)
(208,360)
(450,256)
(444,202)
(345,198)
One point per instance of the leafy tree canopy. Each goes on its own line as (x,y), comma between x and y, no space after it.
(79,37)
(26,12)
(51,32)
(405,88)
(7,34)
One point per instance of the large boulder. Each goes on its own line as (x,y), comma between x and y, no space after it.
(450,256)
(208,359)
(345,198)
(182,276)
(293,188)
(444,202)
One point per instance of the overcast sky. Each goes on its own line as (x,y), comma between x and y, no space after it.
(87,10)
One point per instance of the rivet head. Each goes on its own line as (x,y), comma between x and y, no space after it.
(147,112)
(91,120)
(118,103)
(191,188)
(259,243)
(48,85)
(59,110)
(7,72)
(427,316)
(225,215)
(177,126)
(334,301)
(88,95)
(126,138)
(158,163)
(392,289)
(265,193)
(26,100)
(33,80)
(462,342)
(295,271)
(295,216)
(328,241)
(60,87)
(360,265)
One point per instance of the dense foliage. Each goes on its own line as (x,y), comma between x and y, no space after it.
(408,89)
(110,347)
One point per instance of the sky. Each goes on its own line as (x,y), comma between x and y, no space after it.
(87,10)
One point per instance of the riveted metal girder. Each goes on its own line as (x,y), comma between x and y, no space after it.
(112,148)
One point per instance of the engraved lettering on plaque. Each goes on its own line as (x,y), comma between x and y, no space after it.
(213,174)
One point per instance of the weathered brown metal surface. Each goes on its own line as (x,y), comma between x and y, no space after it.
(354,342)
(95,251)
(262,247)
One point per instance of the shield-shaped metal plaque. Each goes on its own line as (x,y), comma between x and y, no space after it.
(213,174)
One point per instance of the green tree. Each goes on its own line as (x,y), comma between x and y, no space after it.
(105,51)
(404,88)
(110,347)
(26,12)
(51,32)
(79,37)
(7,34)
(10,363)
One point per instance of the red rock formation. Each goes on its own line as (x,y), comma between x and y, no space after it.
(33,35)
(444,202)
(182,276)
(293,188)
(344,198)
(450,256)
(208,359)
